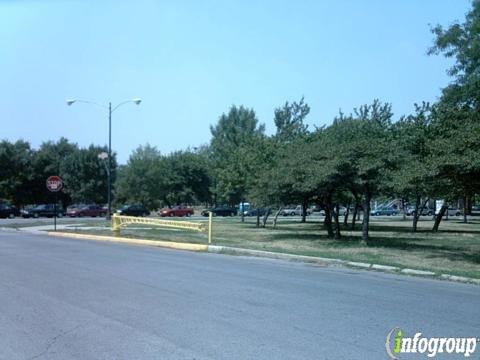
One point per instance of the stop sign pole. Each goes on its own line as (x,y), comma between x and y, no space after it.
(54,184)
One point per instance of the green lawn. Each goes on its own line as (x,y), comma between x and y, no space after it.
(455,249)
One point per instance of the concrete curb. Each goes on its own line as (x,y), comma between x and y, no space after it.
(159,243)
(459,278)
(417,272)
(267,254)
(272,255)
(312,259)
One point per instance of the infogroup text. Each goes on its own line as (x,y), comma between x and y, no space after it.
(397,343)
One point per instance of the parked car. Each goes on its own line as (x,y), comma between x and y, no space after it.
(176,211)
(7,211)
(453,211)
(87,210)
(133,210)
(315,208)
(342,210)
(475,210)
(292,211)
(425,211)
(255,212)
(220,211)
(44,210)
(385,210)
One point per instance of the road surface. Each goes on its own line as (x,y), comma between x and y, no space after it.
(74,299)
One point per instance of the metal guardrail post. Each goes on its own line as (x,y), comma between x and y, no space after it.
(116,224)
(210,216)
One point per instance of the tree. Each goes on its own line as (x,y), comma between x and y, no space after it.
(415,175)
(187,178)
(232,137)
(457,122)
(85,175)
(363,149)
(289,121)
(16,171)
(48,161)
(142,179)
(462,42)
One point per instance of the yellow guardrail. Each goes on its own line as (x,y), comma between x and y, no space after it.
(118,221)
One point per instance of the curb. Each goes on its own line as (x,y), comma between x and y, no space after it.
(313,259)
(272,255)
(218,249)
(159,243)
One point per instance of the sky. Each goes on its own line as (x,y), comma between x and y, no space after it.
(190,61)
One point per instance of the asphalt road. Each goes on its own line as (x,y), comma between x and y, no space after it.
(73,299)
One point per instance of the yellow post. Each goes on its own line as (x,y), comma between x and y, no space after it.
(210,216)
(115,224)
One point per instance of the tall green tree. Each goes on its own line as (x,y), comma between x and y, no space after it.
(363,147)
(47,161)
(187,178)
(16,172)
(232,138)
(461,41)
(457,122)
(85,175)
(289,121)
(142,179)
(415,177)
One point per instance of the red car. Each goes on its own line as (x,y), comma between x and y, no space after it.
(176,211)
(87,210)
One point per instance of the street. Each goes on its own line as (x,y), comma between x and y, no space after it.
(72,299)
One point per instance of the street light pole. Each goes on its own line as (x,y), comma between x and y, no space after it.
(109,173)
(137,101)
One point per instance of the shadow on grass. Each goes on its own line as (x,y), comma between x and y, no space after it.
(451,252)
(403,229)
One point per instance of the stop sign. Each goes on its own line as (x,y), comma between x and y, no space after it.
(54,183)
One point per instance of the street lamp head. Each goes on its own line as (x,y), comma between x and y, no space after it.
(70,101)
(103,156)
(137,101)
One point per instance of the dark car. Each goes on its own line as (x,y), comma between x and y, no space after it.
(385,210)
(87,210)
(220,211)
(133,210)
(7,211)
(176,211)
(46,210)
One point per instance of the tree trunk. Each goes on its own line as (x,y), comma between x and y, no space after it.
(243,211)
(403,209)
(354,215)
(265,217)
(465,209)
(439,217)
(258,219)
(337,234)
(276,216)
(366,218)
(328,221)
(416,215)
(345,219)
(304,211)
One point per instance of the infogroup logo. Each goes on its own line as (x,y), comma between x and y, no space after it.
(397,343)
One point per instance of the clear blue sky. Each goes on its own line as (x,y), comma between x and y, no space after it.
(191,60)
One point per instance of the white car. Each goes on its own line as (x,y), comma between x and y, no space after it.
(294,211)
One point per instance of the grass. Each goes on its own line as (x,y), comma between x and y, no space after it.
(455,249)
